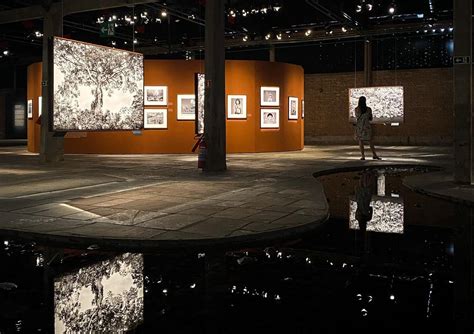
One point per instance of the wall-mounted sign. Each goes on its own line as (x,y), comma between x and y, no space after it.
(462,60)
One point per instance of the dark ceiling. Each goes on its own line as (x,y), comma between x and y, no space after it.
(250,24)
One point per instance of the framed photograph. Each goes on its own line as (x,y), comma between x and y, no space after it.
(156,96)
(270,96)
(156,119)
(269,118)
(96,88)
(386,103)
(200,91)
(40,105)
(293,108)
(186,107)
(237,106)
(302,108)
(29,109)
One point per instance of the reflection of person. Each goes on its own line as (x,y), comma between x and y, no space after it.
(269,118)
(363,130)
(363,196)
(237,107)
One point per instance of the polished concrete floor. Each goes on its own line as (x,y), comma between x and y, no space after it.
(165,201)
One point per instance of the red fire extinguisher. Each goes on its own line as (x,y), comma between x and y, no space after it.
(202,153)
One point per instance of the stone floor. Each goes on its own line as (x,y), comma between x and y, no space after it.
(165,201)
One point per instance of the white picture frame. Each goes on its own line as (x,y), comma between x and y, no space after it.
(270,96)
(237,106)
(156,119)
(155,95)
(186,107)
(269,123)
(40,105)
(29,108)
(293,108)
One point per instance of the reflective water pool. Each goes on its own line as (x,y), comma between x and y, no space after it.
(384,262)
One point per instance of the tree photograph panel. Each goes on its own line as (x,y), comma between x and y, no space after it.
(96,87)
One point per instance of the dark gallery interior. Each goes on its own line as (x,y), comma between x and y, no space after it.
(230,166)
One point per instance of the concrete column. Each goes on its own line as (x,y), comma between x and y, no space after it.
(368,63)
(463,115)
(272,53)
(214,119)
(52,147)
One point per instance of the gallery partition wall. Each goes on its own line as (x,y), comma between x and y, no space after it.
(258,99)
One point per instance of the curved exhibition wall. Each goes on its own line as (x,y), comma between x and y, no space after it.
(243,135)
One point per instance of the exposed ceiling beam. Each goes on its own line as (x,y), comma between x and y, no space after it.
(66,7)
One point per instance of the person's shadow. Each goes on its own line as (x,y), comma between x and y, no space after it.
(363,195)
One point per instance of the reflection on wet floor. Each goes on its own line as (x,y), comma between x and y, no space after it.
(384,262)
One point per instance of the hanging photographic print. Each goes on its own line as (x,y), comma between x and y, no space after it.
(40,105)
(386,103)
(302,108)
(292,108)
(156,119)
(186,107)
(200,88)
(237,106)
(106,297)
(269,118)
(156,95)
(387,215)
(29,108)
(96,87)
(270,96)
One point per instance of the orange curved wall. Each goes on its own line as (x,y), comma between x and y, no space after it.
(242,78)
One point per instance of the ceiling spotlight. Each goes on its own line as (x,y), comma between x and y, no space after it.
(308,32)
(245,38)
(344,29)
(442,29)
(267,36)
(278,36)
(164,13)
(451,29)
(358,8)
(6,52)
(391,10)
(38,34)
(369,7)
(276,8)
(329,32)
(244,13)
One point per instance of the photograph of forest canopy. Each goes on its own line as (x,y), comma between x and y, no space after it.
(106,297)
(96,87)
(386,103)
(200,88)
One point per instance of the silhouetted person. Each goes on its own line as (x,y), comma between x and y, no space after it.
(364,128)
(363,196)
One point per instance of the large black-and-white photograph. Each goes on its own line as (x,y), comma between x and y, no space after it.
(105,297)
(237,106)
(269,118)
(156,119)
(156,95)
(293,108)
(29,108)
(386,103)
(270,96)
(387,215)
(186,107)
(200,88)
(96,87)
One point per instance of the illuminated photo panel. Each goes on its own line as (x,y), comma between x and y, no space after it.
(386,103)
(96,87)
(200,88)
(106,297)
(186,107)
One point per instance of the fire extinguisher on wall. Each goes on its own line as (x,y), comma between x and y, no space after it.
(202,153)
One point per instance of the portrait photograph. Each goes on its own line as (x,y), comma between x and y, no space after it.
(269,118)
(156,118)
(156,95)
(186,107)
(293,108)
(237,106)
(30,109)
(270,96)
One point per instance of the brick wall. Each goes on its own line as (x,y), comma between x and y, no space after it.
(428,98)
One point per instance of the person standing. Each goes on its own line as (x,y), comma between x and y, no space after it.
(363,132)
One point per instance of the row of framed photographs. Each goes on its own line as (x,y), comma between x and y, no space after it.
(158,118)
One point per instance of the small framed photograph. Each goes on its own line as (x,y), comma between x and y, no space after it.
(30,108)
(156,95)
(270,96)
(40,105)
(269,118)
(237,106)
(302,108)
(156,119)
(186,107)
(292,108)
